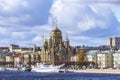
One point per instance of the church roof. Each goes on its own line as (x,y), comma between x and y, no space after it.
(56,29)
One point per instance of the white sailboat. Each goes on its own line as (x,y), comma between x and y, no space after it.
(46,68)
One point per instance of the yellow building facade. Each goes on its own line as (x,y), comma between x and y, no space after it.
(55,49)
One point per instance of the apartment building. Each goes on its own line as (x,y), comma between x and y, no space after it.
(116,59)
(104,59)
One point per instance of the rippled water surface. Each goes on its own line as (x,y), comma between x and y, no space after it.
(14,75)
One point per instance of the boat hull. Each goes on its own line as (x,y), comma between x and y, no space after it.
(45,70)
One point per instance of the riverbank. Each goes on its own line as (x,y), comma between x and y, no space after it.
(106,71)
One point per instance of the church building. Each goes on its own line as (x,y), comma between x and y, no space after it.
(55,49)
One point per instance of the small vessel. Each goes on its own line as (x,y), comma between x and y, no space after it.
(2,68)
(46,68)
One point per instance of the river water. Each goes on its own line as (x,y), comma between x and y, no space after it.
(15,75)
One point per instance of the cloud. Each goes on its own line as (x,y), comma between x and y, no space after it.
(3,31)
(87,22)
(11,5)
(37,39)
(22,20)
(24,12)
(24,34)
(14,20)
(93,1)
(87,16)
(4,42)
(18,35)
(83,18)
(42,28)
(91,41)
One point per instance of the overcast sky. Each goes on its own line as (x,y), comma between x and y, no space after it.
(87,22)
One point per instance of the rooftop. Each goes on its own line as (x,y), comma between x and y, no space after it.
(91,52)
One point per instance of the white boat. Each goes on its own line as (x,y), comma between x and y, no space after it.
(46,68)
(2,68)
